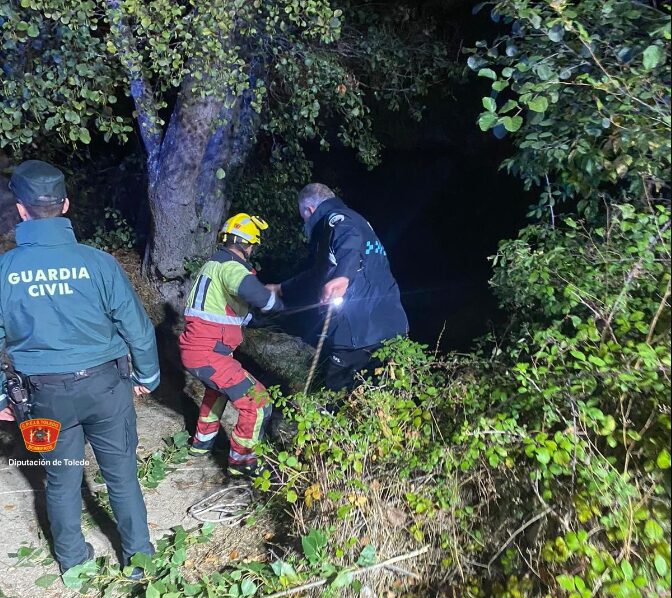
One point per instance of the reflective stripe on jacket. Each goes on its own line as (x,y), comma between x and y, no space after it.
(218,305)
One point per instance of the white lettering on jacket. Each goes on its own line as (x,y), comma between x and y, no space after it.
(53,280)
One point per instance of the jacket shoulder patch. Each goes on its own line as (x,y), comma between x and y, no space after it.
(334,219)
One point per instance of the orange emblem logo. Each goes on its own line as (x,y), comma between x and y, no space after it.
(40,435)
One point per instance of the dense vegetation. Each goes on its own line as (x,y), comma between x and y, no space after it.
(539,464)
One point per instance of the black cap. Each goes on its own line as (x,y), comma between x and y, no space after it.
(34,179)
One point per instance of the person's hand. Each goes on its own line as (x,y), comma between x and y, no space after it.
(6,415)
(335,288)
(141,390)
(274,288)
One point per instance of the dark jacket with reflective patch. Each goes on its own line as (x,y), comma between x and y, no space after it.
(65,307)
(344,244)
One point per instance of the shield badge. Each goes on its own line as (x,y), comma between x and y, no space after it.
(40,435)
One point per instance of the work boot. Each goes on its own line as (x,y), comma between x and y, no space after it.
(251,471)
(138,573)
(90,555)
(203,449)
(195,451)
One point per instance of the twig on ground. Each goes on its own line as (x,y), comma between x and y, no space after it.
(401,571)
(354,573)
(522,528)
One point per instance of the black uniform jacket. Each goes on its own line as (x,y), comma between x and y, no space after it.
(343,243)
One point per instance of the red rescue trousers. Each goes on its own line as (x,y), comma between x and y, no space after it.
(226,380)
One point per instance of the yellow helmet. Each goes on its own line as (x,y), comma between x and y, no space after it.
(244,226)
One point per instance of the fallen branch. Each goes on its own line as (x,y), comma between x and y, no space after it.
(401,571)
(356,572)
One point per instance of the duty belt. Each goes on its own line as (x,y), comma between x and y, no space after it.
(121,363)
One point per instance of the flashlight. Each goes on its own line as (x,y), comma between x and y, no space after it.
(337,301)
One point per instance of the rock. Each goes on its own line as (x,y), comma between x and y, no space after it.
(285,357)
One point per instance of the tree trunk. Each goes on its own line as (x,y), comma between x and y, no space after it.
(187,201)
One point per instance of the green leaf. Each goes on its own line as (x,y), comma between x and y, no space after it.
(487,120)
(489,104)
(367,556)
(512,123)
(661,565)
(566,582)
(543,455)
(598,361)
(45,581)
(653,56)
(342,580)
(33,31)
(313,544)
(292,496)
(282,569)
(179,556)
(488,73)
(151,591)
(608,426)
(538,104)
(84,135)
(663,460)
(220,174)
(544,72)
(653,530)
(627,570)
(248,587)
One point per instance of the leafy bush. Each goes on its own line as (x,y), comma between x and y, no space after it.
(537,466)
(113,233)
(584,86)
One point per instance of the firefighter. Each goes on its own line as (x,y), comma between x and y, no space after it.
(68,320)
(349,263)
(218,308)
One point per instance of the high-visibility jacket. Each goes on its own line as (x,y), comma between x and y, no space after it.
(66,307)
(218,306)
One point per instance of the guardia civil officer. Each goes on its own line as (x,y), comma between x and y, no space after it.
(69,319)
(349,262)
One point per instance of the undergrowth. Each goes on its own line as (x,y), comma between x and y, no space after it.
(537,466)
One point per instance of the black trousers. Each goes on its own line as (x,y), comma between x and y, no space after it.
(344,364)
(98,408)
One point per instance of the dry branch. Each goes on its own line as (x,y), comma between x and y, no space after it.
(354,573)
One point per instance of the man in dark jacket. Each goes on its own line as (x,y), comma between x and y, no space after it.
(349,262)
(68,320)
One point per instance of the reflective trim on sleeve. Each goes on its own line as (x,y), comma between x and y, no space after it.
(147,380)
(270,303)
(218,318)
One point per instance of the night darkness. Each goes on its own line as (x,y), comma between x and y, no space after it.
(439,203)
